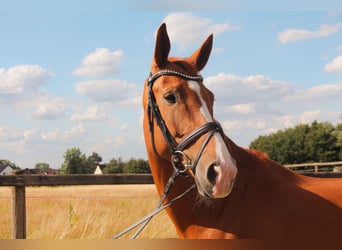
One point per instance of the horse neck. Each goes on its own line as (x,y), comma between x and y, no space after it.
(255,168)
(180,211)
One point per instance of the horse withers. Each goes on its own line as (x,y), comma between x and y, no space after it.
(240,193)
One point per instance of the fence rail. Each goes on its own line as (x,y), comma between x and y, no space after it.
(74,179)
(315,165)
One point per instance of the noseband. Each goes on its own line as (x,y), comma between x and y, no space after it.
(178,157)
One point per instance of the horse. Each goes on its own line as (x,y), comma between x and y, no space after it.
(241,193)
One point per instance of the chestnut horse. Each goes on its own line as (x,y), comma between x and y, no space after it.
(240,193)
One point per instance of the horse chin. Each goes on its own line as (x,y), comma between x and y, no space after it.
(223,193)
(210,191)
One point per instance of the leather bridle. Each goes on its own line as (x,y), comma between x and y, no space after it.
(176,149)
(179,159)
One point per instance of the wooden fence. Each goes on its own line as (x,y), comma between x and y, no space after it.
(19,182)
(315,167)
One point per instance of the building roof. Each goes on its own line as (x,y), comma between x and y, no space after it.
(3,167)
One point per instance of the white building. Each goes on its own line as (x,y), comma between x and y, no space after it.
(98,170)
(5,170)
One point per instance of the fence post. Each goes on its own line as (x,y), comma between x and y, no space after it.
(316,168)
(18,212)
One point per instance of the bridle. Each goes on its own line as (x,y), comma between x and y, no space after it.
(176,149)
(178,157)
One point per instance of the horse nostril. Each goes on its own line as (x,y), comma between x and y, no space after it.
(211,174)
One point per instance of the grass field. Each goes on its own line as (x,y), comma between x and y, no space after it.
(85,212)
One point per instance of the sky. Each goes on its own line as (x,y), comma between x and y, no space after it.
(72,73)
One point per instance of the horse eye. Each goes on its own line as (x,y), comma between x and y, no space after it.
(170,98)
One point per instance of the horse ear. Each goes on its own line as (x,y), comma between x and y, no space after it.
(200,57)
(162,49)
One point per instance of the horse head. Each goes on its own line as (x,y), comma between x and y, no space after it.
(179,126)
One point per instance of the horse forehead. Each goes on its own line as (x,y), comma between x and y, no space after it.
(182,64)
(196,87)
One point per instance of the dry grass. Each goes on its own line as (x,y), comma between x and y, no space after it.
(85,212)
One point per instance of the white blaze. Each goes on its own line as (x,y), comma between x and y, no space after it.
(204,108)
(223,156)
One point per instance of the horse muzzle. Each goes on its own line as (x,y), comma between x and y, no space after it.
(215,181)
(216,171)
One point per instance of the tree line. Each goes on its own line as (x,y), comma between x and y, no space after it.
(304,143)
(76,162)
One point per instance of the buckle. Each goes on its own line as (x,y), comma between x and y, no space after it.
(180,161)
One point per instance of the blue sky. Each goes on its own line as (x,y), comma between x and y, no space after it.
(71,74)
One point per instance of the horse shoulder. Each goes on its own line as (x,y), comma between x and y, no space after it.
(328,188)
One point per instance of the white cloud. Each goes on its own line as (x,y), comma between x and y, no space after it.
(17,140)
(93,113)
(335,66)
(31,136)
(111,142)
(65,136)
(22,78)
(112,91)
(310,116)
(248,128)
(293,35)
(8,135)
(242,127)
(21,92)
(317,94)
(101,62)
(133,100)
(185,29)
(51,108)
(248,106)
(244,108)
(231,89)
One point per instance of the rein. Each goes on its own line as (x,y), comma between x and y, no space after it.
(160,207)
(176,149)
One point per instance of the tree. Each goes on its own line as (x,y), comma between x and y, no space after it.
(133,166)
(94,159)
(317,142)
(114,166)
(138,166)
(338,134)
(74,162)
(92,162)
(321,143)
(9,163)
(42,166)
